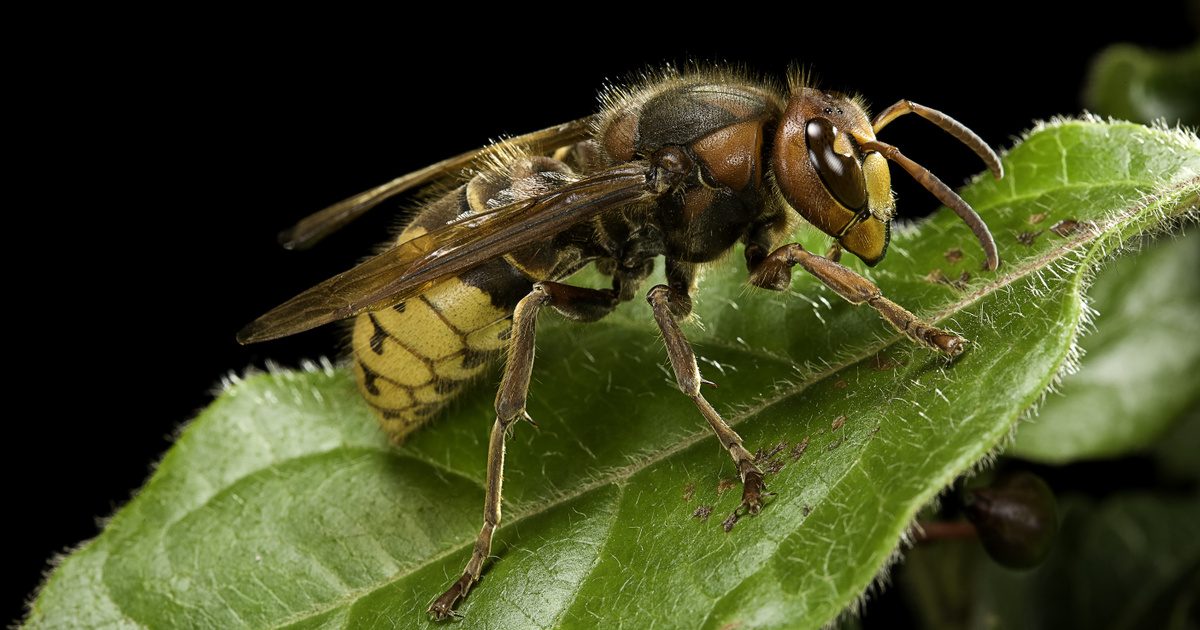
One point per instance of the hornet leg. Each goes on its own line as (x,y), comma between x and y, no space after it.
(775,273)
(573,302)
(687,374)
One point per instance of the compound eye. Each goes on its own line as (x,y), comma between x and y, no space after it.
(842,175)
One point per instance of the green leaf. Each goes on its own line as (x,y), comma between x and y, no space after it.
(1139,368)
(1131,561)
(283,505)
(1176,452)
(1143,86)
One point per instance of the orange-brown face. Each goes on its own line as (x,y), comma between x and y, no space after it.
(828,179)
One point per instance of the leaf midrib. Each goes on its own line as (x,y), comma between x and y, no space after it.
(617,476)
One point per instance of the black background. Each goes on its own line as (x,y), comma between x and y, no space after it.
(159,163)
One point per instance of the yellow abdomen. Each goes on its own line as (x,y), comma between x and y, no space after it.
(410,359)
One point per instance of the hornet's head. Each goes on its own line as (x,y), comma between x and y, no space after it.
(833,171)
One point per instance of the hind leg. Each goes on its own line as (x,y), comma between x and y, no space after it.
(574,302)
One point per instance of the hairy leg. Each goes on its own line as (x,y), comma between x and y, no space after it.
(687,375)
(574,302)
(775,273)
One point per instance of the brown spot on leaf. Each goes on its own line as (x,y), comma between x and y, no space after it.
(729,522)
(689,491)
(806,510)
(836,443)
(883,363)
(799,448)
(702,512)
(837,423)
(937,277)
(875,431)
(840,384)
(725,484)
(732,625)
(1037,218)
(1027,238)
(774,466)
(1067,227)
(761,456)
(954,254)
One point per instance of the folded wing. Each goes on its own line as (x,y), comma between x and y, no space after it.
(311,229)
(413,266)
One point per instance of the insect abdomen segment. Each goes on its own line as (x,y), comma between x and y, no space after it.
(410,359)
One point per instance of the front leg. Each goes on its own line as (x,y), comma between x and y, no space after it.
(681,279)
(577,303)
(856,290)
(760,241)
(687,375)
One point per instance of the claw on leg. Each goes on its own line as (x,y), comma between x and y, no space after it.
(442,608)
(752,492)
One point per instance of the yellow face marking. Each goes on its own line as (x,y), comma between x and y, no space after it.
(879,186)
(867,240)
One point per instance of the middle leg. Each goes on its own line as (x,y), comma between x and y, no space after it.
(687,375)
